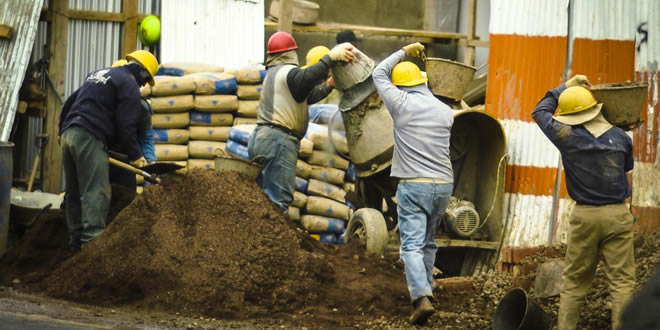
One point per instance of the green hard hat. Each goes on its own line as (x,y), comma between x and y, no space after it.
(149,30)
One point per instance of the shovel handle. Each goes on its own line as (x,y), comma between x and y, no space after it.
(135,170)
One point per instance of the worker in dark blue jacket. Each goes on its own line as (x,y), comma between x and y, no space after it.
(103,110)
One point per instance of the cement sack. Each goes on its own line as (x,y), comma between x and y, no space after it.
(299,199)
(244,121)
(241,133)
(249,92)
(294,213)
(322,113)
(183,163)
(173,136)
(166,86)
(250,76)
(206,149)
(145,90)
(209,83)
(321,141)
(327,174)
(184,68)
(306,148)
(236,149)
(247,109)
(327,190)
(208,164)
(170,120)
(301,185)
(327,208)
(325,238)
(166,104)
(216,103)
(349,187)
(303,169)
(318,224)
(322,158)
(210,119)
(209,133)
(171,152)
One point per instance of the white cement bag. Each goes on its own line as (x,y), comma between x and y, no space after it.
(209,83)
(166,104)
(249,92)
(173,136)
(170,120)
(208,164)
(210,119)
(247,109)
(209,133)
(167,85)
(244,121)
(216,103)
(294,213)
(303,169)
(327,174)
(184,68)
(322,158)
(327,190)
(319,135)
(326,207)
(206,149)
(306,148)
(241,133)
(299,199)
(171,152)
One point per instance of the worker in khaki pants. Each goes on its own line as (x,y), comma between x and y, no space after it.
(596,157)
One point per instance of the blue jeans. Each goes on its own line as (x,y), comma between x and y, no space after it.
(278,153)
(420,207)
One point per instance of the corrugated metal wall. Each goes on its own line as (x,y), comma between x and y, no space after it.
(228,33)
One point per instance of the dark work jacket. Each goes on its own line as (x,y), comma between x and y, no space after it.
(108,106)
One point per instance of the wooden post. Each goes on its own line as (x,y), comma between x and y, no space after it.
(468,55)
(430,13)
(285,22)
(57,46)
(129,39)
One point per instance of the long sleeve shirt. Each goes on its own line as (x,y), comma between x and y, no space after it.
(595,167)
(422,126)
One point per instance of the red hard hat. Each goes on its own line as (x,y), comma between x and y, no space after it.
(281,42)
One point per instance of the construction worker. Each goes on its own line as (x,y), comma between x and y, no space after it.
(422,125)
(105,109)
(145,136)
(347,36)
(282,116)
(596,157)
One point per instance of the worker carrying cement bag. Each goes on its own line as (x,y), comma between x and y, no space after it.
(105,110)
(282,113)
(422,125)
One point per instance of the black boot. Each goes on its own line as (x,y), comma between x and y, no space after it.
(423,310)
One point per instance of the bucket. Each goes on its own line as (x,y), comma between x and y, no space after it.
(6,168)
(622,102)
(516,311)
(448,78)
(226,163)
(349,74)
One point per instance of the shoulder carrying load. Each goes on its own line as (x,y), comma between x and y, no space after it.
(249,92)
(327,174)
(294,213)
(322,158)
(178,103)
(210,119)
(247,109)
(301,185)
(216,103)
(193,163)
(145,90)
(306,148)
(206,149)
(241,133)
(183,163)
(209,133)
(166,86)
(299,199)
(327,208)
(171,152)
(327,190)
(319,224)
(250,76)
(209,83)
(170,120)
(184,68)
(303,169)
(173,136)
(244,121)
(237,149)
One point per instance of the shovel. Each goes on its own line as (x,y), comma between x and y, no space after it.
(147,176)
(158,168)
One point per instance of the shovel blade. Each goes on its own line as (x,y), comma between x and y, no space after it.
(161,168)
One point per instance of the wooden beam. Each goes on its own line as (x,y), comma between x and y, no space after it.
(89,15)
(285,21)
(129,40)
(468,55)
(473,43)
(57,46)
(6,31)
(430,10)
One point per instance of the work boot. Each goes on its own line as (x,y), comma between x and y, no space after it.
(423,310)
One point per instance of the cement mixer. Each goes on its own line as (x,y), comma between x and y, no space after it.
(473,229)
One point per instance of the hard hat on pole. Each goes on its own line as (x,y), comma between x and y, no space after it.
(149,30)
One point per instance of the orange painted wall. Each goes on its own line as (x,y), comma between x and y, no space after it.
(645,143)
(604,61)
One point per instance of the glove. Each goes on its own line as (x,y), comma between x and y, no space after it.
(578,80)
(414,49)
(342,52)
(139,163)
(330,83)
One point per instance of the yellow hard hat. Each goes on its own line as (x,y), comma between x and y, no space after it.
(407,74)
(121,62)
(315,54)
(147,60)
(576,106)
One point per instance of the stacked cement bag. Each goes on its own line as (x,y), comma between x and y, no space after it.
(250,81)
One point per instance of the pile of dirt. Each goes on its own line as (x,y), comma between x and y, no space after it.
(211,243)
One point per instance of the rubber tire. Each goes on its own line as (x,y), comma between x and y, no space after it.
(370,224)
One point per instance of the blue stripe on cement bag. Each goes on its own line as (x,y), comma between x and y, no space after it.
(226,86)
(237,149)
(169,72)
(200,117)
(324,225)
(262,75)
(241,133)
(301,185)
(322,113)
(341,239)
(160,135)
(351,173)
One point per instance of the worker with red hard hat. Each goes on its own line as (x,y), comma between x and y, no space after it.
(282,113)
